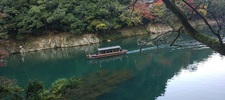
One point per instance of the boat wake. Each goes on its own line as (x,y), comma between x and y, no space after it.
(183,45)
(143,49)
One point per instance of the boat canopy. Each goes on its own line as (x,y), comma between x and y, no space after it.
(109,48)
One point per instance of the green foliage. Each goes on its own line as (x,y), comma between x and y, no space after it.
(19,37)
(75,16)
(93,25)
(36,91)
(33,90)
(125,2)
(161,12)
(8,90)
(130,20)
(101,26)
(64,85)
(4,35)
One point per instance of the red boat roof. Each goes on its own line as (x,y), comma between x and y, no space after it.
(109,48)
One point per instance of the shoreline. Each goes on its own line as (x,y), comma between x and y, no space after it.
(66,40)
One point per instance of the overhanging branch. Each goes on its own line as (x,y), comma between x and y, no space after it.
(211,42)
(210,27)
(178,35)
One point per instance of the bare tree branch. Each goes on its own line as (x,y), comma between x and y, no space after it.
(178,35)
(203,18)
(133,5)
(179,30)
(206,22)
(135,1)
(213,43)
(219,25)
(192,13)
(154,39)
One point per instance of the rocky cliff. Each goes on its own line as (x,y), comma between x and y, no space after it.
(62,40)
(47,42)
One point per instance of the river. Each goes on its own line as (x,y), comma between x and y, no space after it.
(192,72)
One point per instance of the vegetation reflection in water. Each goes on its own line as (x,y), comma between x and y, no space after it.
(85,88)
(152,73)
(135,76)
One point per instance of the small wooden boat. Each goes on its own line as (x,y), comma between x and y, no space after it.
(107,51)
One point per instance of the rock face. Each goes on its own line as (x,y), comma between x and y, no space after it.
(69,40)
(48,42)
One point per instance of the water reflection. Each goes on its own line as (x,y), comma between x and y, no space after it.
(205,83)
(153,70)
(108,59)
(47,65)
(98,83)
(3,58)
(148,75)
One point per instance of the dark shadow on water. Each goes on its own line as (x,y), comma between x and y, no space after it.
(133,76)
(152,71)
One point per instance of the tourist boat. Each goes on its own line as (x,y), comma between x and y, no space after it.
(107,52)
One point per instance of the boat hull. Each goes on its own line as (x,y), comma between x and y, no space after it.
(97,56)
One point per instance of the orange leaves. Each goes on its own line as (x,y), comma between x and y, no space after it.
(158,2)
(142,8)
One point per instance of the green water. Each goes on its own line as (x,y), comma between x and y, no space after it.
(189,73)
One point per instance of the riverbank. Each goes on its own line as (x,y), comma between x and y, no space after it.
(64,40)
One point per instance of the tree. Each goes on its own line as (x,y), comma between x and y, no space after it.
(215,44)
(142,9)
(35,90)
(9,90)
(34,17)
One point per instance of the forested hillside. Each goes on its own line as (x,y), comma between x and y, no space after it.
(19,17)
(75,16)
